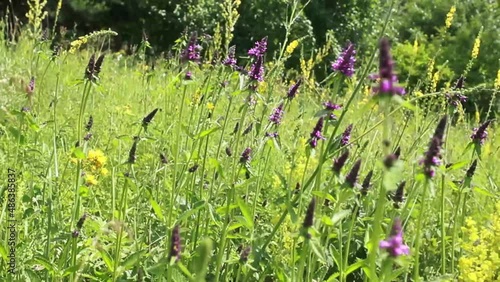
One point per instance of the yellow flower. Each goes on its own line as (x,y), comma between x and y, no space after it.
(435,80)
(210,106)
(449,16)
(96,158)
(291,47)
(90,180)
(415,46)
(104,171)
(475,48)
(497,80)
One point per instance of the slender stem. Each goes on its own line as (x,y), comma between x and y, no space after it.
(423,204)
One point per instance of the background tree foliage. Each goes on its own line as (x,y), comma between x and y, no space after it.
(358,21)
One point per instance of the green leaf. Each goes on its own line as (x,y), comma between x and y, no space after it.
(207,132)
(156,208)
(340,215)
(70,270)
(483,192)
(78,153)
(198,205)
(52,269)
(246,213)
(201,266)
(32,275)
(3,252)
(106,258)
(456,166)
(316,250)
(132,260)
(355,266)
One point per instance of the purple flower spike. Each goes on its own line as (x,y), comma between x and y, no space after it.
(230,60)
(259,48)
(257,70)
(388,80)
(277,114)
(246,156)
(352,177)
(188,76)
(338,164)
(316,133)
(480,134)
(292,92)
(331,106)
(346,136)
(193,49)
(394,244)
(175,244)
(345,62)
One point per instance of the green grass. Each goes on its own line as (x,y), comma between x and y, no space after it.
(224,206)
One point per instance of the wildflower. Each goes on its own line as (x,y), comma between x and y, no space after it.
(497,80)
(399,194)
(392,158)
(292,91)
(460,83)
(175,244)
(339,163)
(480,134)
(346,136)
(210,106)
(259,48)
(345,62)
(366,183)
(163,158)
(352,177)
(309,218)
(104,171)
(147,119)
(30,88)
(25,109)
(193,168)
(394,244)
(475,48)
(236,127)
(230,60)
(94,67)
(277,114)
(96,158)
(272,134)
(387,79)
(89,124)
(248,129)
(245,156)
(90,180)
(229,152)
(449,16)
(472,169)
(131,154)
(245,253)
(433,154)
(87,136)
(329,106)
(188,76)
(455,99)
(291,47)
(257,70)
(81,221)
(193,49)
(316,133)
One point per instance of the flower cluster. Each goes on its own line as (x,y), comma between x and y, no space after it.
(316,133)
(387,78)
(480,133)
(292,92)
(432,157)
(346,136)
(193,49)
(230,60)
(330,107)
(257,52)
(481,246)
(394,244)
(277,114)
(345,62)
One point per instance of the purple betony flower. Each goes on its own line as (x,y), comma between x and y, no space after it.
(309,218)
(277,114)
(292,92)
(345,62)
(398,196)
(352,177)
(394,244)
(480,133)
(387,78)
(230,60)
(329,106)
(246,155)
(432,157)
(272,134)
(193,49)
(346,136)
(257,70)
(366,183)
(175,244)
(259,48)
(188,76)
(30,88)
(316,133)
(339,163)
(245,253)
(472,169)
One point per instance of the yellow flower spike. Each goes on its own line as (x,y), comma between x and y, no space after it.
(497,80)
(475,48)
(415,46)
(449,16)
(291,47)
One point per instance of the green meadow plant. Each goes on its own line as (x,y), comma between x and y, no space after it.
(201,165)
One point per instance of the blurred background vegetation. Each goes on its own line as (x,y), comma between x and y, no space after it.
(422,43)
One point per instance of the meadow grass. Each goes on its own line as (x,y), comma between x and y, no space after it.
(172,171)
